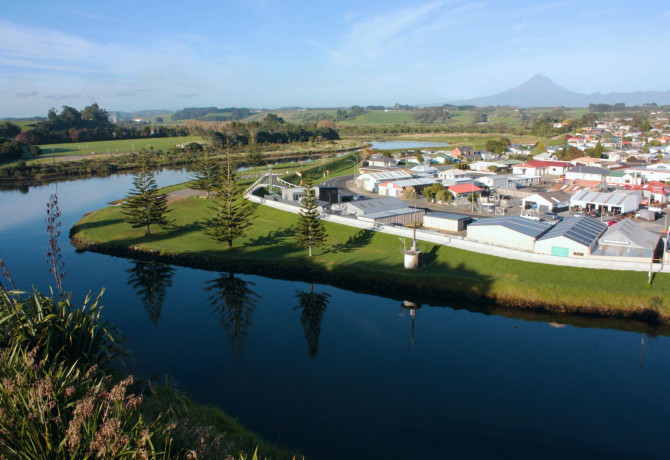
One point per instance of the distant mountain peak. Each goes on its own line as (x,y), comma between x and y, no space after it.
(537,83)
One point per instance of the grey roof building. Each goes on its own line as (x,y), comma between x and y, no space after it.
(510,232)
(628,239)
(574,236)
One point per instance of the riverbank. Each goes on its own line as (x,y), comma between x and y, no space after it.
(18,174)
(372,262)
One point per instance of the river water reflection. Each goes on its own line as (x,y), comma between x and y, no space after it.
(341,374)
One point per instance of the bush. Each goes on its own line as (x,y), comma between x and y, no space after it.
(58,329)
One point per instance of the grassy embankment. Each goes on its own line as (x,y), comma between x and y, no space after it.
(372,261)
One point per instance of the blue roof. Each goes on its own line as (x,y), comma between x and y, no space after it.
(532,228)
(581,229)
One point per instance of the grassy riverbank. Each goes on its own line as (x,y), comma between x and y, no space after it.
(371,261)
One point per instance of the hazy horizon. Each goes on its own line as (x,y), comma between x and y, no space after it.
(131,56)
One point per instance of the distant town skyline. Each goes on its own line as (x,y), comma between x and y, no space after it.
(264,53)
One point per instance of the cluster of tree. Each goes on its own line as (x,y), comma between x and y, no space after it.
(432,115)
(9,130)
(272,130)
(211,113)
(618,107)
(91,124)
(481,116)
(498,145)
(10,151)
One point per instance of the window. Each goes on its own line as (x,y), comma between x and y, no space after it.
(578,254)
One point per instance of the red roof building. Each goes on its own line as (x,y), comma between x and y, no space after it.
(464,189)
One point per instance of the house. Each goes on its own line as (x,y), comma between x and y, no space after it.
(581,172)
(623,178)
(586,161)
(413,186)
(460,152)
(446,221)
(617,203)
(463,190)
(381,161)
(572,237)
(547,201)
(370,181)
(424,170)
(628,240)
(453,173)
(541,168)
(656,172)
(510,232)
(506,181)
(656,191)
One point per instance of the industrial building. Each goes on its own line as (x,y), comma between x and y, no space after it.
(509,232)
(617,203)
(574,236)
(628,239)
(402,216)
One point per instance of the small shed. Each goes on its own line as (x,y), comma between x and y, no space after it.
(446,221)
(574,236)
(403,216)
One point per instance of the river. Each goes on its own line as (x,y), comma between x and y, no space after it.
(339,374)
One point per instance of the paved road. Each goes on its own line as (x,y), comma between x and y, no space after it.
(340,182)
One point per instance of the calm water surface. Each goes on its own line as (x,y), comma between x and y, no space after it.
(391,145)
(339,374)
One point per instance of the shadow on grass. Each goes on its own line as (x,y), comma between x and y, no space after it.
(167,234)
(430,256)
(273,237)
(98,224)
(357,241)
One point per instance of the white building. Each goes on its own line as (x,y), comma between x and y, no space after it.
(370,181)
(618,203)
(581,172)
(509,232)
(572,237)
(547,201)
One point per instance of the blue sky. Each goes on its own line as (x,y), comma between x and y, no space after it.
(132,55)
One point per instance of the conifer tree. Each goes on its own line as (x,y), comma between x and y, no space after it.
(145,206)
(206,174)
(231,211)
(311,232)
(253,157)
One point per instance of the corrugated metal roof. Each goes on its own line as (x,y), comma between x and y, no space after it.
(628,233)
(448,216)
(582,229)
(528,227)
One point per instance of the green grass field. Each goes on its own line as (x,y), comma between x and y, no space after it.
(376,256)
(115,146)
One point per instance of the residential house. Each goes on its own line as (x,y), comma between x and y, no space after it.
(463,190)
(547,201)
(460,152)
(541,168)
(381,161)
(581,172)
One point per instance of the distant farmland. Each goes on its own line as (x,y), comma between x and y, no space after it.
(115,146)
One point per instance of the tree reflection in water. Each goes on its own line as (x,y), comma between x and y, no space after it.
(234,301)
(313,306)
(151,281)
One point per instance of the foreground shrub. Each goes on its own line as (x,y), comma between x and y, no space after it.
(50,410)
(56,328)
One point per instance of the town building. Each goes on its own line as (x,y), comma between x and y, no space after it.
(510,232)
(617,203)
(572,237)
(446,221)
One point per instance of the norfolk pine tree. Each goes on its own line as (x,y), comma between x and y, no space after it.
(311,231)
(144,205)
(206,174)
(231,211)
